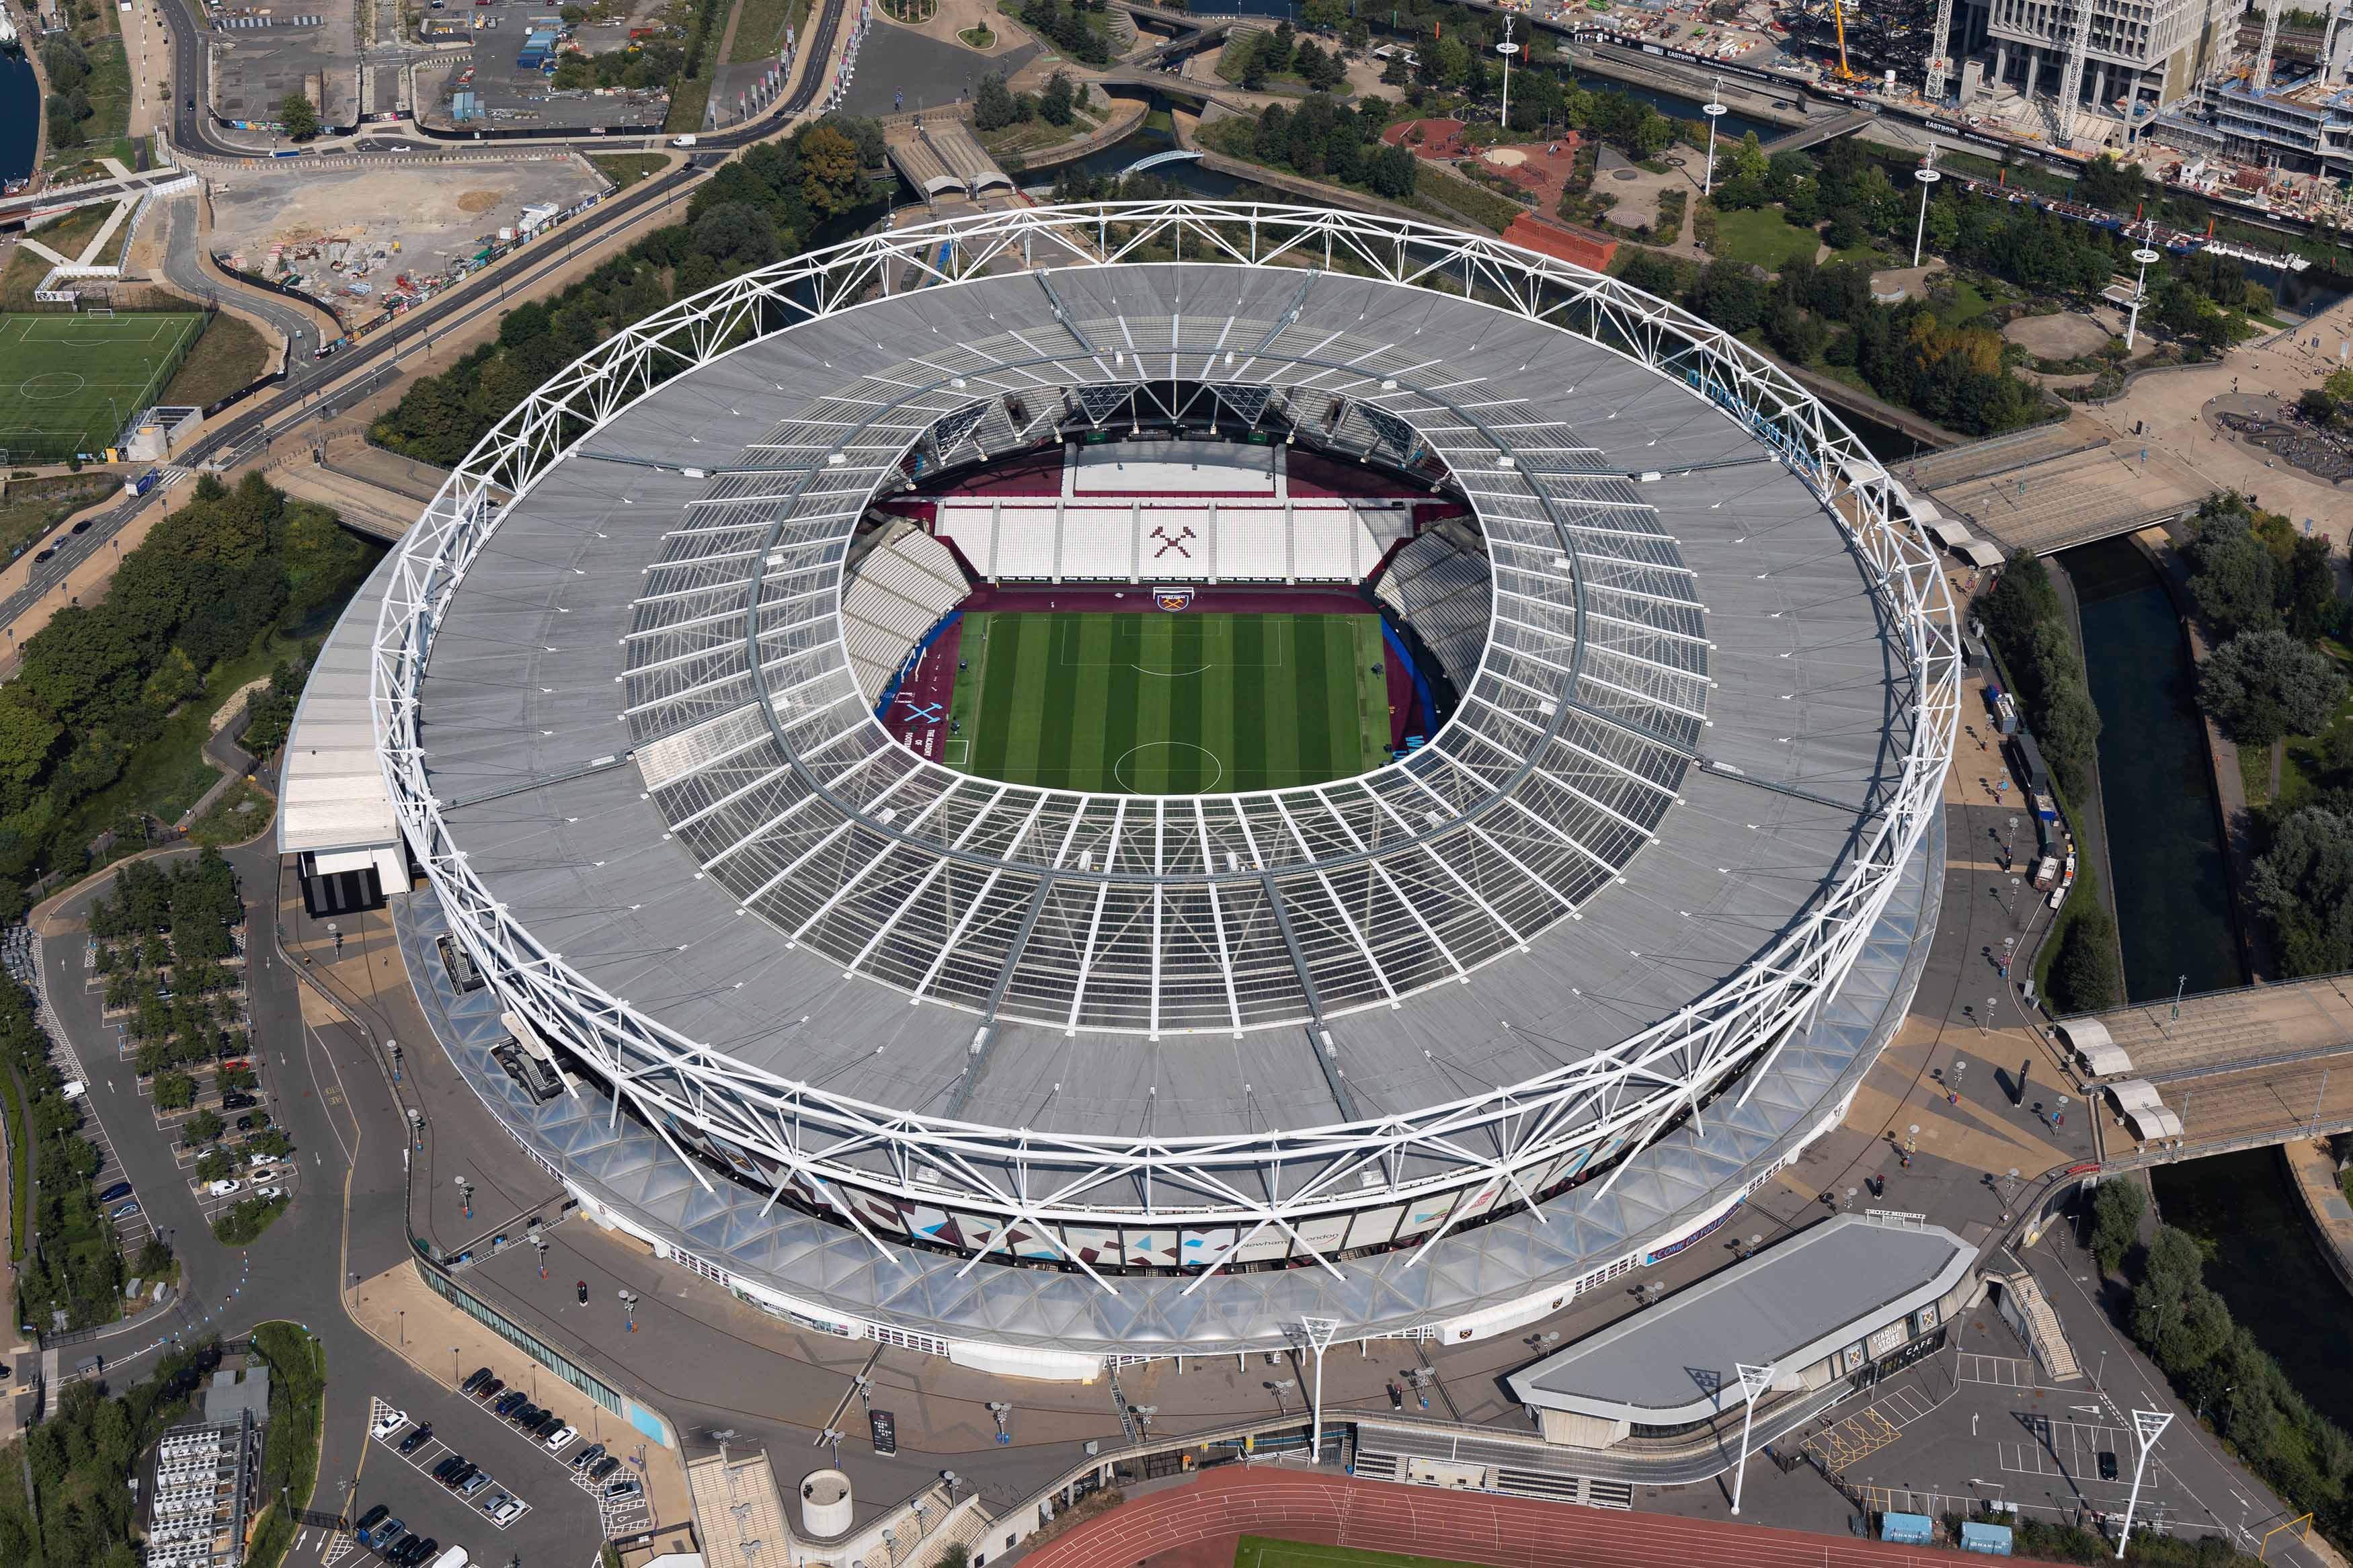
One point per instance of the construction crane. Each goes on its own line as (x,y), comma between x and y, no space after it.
(1838,14)
(2071,79)
(1938,42)
(2262,75)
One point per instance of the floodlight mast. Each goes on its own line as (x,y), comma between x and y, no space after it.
(1753,1381)
(2148,1426)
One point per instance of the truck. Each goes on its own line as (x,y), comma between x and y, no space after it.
(146,481)
(530,61)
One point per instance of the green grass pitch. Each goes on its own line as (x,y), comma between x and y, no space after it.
(71,382)
(1260,1551)
(1161,703)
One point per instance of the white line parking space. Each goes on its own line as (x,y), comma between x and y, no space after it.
(425,1455)
(1999,1371)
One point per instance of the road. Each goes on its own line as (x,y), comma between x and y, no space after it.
(325,1092)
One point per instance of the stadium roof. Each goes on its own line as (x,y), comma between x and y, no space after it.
(1682,738)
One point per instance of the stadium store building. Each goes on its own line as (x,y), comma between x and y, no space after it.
(1033,1076)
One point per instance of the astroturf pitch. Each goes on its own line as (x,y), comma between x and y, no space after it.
(71,382)
(1169,703)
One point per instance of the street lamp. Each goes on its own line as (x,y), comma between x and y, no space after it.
(1508,49)
(1713,110)
(1753,1381)
(1928,176)
(2140,293)
(2147,1427)
(1279,1384)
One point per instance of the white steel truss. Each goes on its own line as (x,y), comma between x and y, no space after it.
(1567,747)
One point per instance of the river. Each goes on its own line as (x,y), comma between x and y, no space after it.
(20,117)
(2172,881)
(2169,875)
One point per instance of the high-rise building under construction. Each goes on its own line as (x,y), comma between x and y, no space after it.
(2149,51)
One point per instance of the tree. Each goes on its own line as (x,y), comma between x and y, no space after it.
(214,1164)
(203,1128)
(2116,1211)
(174,1092)
(992,105)
(1390,172)
(2262,685)
(2087,975)
(737,234)
(2309,592)
(1055,103)
(2304,885)
(65,61)
(2230,569)
(1846,229)
(1731,294)
(298,118)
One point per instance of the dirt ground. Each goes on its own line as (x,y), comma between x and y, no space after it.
(2063,336)
(435,213)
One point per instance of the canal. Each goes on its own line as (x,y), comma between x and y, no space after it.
(2170,876)
(20,117)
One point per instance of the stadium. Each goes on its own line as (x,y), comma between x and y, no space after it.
(1124,781)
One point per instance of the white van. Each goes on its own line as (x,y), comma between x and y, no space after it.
(453,1558)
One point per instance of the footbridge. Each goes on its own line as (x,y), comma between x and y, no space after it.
(940,157)
(2243,1069)
(1821,130)
(2053,486)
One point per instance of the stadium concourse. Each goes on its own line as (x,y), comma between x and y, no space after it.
(891,1038)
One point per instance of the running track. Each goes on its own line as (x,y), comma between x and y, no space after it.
(1197,1526)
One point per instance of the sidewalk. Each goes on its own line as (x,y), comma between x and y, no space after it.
(2324,1207)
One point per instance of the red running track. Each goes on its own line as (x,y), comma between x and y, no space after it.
(1198,1525)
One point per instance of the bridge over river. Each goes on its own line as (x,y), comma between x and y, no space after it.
(2227,1069)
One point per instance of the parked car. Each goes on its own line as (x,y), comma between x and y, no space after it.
(126,1210)
(509,1402)
(505,1511)
(474,1483)
(386,1531)
(448,1468)
(466,1471)
(474,1380)
(2108,1464)
(547,1424)
(489,1390)
(115,1194)
(370,1520)
(416,1439)
(588,1456)
(391,1421)
(245,1124)
(582,1287)
(561,1438)
(605,1466)
(419,1552)
(269,1194)
(626,1487)
(223,1187)
(238,1102)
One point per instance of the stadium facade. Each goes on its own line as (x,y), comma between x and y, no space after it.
(1034,1077)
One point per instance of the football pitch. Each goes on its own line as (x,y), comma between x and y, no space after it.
(1261,1552)
(71,383)
(1161,703)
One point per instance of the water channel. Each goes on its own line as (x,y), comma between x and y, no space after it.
(20,117)
(2170,878)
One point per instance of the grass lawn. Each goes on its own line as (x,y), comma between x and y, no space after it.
(626,169)
(1763,238)
(240,814)
(689,102)
(1151,703)
(289,1454)
(109,89)
(65,237)
(1258,1552)
(30,508)
(20,1164)
(73,380)
(978,38)
(760,30)
(1969,303)
(229,357)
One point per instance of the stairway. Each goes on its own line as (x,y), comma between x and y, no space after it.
(2051,1347)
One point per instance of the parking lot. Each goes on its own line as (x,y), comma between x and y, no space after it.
(493,1505)
(506,95)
